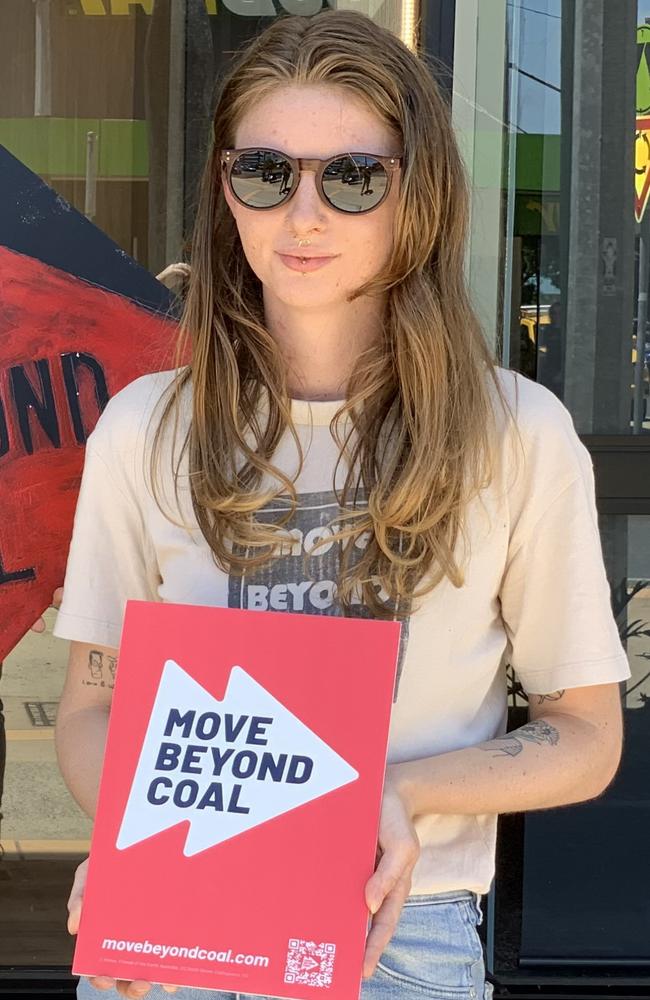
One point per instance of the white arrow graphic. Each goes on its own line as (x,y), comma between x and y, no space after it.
(262,794)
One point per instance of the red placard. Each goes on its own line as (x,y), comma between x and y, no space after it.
(66,347)
(239,804)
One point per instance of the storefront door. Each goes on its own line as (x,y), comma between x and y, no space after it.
(545,97)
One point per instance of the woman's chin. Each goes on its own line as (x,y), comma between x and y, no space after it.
(309,295)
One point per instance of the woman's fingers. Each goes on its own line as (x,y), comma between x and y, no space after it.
(102,983)
(57,597)
(174,274)
(139,988)
(390,884)
(384,923)
(394,863)
(133,989)
(126,988)
(75,899)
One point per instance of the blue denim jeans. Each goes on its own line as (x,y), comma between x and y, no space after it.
(435,952)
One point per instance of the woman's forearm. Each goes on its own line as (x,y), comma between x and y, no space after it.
(80,744)
(547,762)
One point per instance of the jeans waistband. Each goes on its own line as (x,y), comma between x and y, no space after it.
(453,896)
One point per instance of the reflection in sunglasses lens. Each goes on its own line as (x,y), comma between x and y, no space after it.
(261,178)
(355,183)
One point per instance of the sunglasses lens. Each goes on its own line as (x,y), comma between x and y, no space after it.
(355,183)
(261,178)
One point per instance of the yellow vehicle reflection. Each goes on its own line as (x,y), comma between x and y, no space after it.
(529,317)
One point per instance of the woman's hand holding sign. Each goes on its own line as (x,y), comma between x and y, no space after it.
(81,749)
(228,743)
(134,989)
(387,889)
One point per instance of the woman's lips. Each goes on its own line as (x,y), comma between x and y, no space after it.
(304,264)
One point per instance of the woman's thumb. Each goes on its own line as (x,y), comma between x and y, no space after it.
(74,915)
(76,896)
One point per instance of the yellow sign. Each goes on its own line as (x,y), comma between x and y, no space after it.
(642,132)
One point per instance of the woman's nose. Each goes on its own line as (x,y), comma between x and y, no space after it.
(306,208)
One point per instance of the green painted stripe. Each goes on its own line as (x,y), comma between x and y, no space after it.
(537,160)
(57,146)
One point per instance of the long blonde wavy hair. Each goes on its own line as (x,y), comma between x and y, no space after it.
(416,428)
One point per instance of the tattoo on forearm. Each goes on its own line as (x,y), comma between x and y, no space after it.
(549,697)
(101,670)
(511,744)
(95,664)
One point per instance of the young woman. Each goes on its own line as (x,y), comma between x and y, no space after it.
(339,378)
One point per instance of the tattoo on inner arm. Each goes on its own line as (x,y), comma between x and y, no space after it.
(549,697)
(511,744)
(101,669)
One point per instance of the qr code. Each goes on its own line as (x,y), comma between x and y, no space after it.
(309,963)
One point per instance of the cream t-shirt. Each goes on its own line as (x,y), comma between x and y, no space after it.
(535,592)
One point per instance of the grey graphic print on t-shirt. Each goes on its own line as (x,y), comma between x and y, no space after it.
(300,580)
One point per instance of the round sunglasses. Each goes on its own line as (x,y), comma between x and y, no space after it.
(350,182)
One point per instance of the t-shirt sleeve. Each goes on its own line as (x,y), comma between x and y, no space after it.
(108,562)
(555,597)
